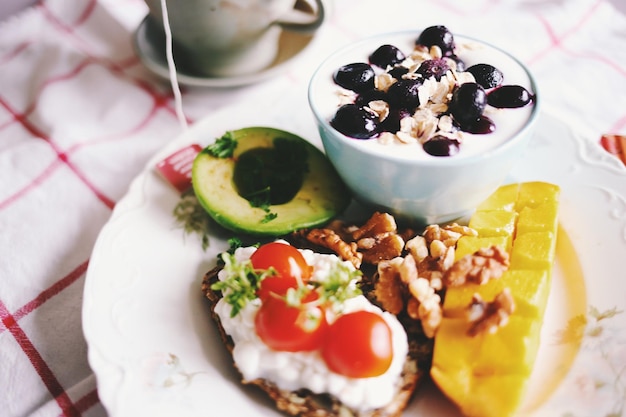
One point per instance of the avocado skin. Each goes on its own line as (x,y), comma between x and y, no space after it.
(323,194)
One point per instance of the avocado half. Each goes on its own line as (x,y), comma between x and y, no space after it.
(320,194)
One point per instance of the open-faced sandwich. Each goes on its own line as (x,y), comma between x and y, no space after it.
(304,325)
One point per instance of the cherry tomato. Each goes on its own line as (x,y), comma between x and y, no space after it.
(290,266)
(284,258)
(293,329)
(275,284)
(358,345)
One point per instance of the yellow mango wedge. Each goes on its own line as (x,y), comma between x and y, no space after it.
(486,375)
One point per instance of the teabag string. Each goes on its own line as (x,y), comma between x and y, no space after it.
(176,168)
(172,67)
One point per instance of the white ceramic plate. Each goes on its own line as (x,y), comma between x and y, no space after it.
(156,352)
(149,45)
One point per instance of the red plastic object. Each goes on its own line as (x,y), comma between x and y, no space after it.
(176,168)
(615,144)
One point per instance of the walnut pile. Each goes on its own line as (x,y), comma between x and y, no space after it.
(377,240)
(412,270)
(421,271)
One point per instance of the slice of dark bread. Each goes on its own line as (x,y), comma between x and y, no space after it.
(305,403)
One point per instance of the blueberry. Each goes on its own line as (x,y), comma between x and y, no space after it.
(486,75)
(481,126)
(509,96)
(460,64)
(398,71)
(392,121)
(437,36)
(467,103)
(440,145)
(433,68)
(355,121)
(357,77)
(370,95)
(386,56)
(403,94)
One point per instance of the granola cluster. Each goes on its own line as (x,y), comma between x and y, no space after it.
(412,270)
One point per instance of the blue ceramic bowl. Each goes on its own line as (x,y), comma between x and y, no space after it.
(407,182)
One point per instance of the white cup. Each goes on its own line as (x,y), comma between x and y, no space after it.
(219,38)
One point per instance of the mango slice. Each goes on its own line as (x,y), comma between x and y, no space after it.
(470,244)
(493,222)
(487,374)
(533,250)
(528,287)
(504,198)
(511,350)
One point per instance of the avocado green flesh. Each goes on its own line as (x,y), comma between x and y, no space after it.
(321,197)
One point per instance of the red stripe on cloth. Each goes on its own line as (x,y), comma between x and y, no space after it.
(52,291)
(16,51)
(87,401)
(86,13)
(22,117)
(39,364)
(557,40)
(99,195)
(61,155)
(161,101)
(115,67)
(119,67)
(82,18)
(45,174)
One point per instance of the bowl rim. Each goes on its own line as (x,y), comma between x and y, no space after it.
(352,143)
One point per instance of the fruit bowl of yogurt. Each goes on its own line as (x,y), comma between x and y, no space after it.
(423,124)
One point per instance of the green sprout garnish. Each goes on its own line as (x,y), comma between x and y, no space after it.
(234,243)
(241,283)
(224,147)
(269,217)
(190,215)
(340,285)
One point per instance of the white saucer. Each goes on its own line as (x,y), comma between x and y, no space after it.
(149,44)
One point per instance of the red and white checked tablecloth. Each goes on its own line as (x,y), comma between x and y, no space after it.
(80,116)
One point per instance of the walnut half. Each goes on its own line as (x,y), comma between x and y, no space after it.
(330,239)
(479,267)
(398,276)
(489,316)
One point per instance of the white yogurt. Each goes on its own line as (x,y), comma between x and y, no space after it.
(296,370)
(508,122)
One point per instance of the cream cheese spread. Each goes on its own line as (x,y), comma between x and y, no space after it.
(297,370)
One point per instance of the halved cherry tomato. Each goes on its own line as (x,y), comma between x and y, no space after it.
(290,266)
(294,329)
(275,284)
(358,345)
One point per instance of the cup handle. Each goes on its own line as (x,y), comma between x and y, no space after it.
(301,21)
